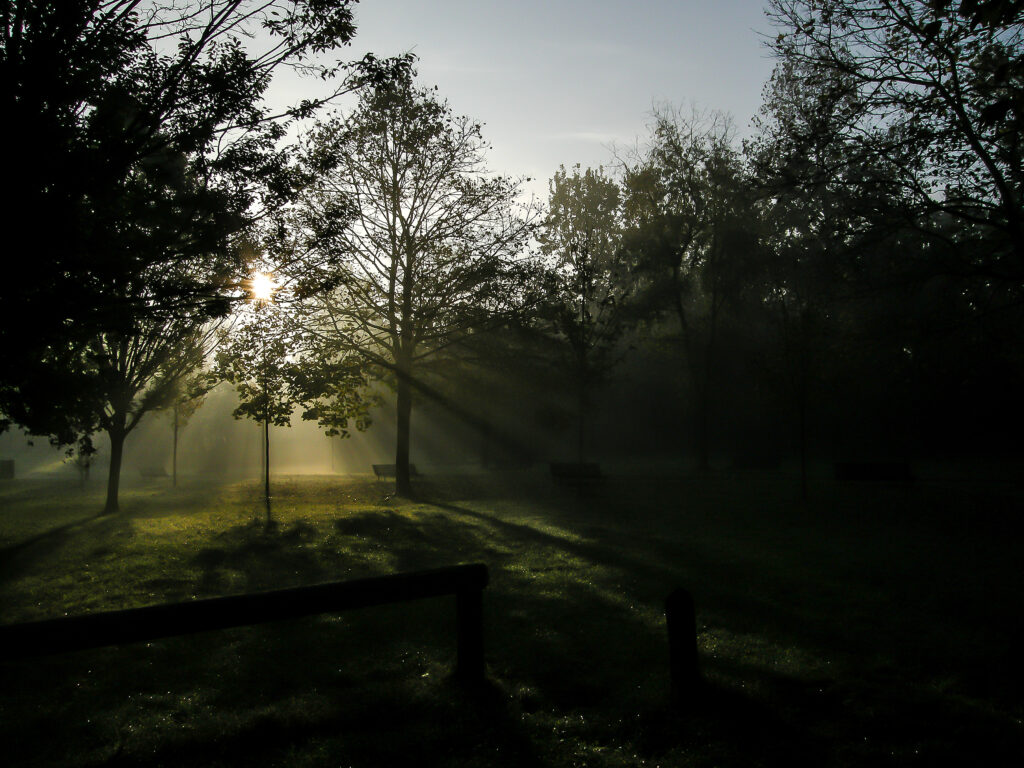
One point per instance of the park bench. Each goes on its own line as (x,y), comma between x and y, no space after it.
(507,465)
(134,625)
(149,472)
(389,470)
(576,473)
(874,471)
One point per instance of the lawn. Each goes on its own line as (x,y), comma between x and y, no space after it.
(873,625)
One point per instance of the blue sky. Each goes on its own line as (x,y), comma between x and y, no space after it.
(555,81)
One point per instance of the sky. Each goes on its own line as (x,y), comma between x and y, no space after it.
(556,81)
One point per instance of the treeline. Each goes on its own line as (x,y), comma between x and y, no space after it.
(846,281)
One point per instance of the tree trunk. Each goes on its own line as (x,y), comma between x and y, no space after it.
(117,434)
(701,416)
(266,466)
(174,451)
(581,438)
(403,483)
(802,419)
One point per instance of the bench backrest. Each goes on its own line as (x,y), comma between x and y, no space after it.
(570,470)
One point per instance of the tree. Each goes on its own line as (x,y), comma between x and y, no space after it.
(143,146)
(186,400)
(936,96)
(814,223)
(686,232)
(276,368)
(132,374)
(588,284)
(894,140)
(427,240)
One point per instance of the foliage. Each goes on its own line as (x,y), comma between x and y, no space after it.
(130,375)
(144,148)
(276,367)
(425,242)
(588,284)
(935,98)
(688,235)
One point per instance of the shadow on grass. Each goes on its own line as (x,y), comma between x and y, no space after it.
(18,558)
(264,558)
(575,645)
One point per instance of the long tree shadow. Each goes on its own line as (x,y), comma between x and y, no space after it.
(249,557)
(577,654)
(819,713)
(16,559)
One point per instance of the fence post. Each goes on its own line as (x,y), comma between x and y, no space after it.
(469,616)
(681,621)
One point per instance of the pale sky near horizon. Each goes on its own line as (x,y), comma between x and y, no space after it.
(556,81)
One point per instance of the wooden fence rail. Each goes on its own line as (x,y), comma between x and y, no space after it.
(75,633)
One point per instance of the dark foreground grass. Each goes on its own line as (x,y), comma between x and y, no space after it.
(875,625)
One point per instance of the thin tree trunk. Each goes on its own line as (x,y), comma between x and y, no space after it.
(117,435)
(581,436)
(802,419)
(174,451)
(701,385)
(403,482)
(266,466)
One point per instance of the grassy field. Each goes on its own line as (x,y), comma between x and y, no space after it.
(873,625)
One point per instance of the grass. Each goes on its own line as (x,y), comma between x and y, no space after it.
(875,625)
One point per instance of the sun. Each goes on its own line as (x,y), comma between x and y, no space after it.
(262,286)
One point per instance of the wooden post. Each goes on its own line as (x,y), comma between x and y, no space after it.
(74,633)
(681,621)
(469,616)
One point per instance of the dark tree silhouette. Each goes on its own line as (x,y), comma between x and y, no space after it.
(141,148)
(588,284)
(687,235)
(934,104)
(132,374)
(426,241)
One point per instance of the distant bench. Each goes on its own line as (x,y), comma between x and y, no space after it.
(874,471)
(153,472)
(389,470)
(503,465)
(575,473)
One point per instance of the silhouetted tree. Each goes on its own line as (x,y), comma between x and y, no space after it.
(687,233)
(812,226)
(141,146)
(276,367)
(935,97)
(589,283)
(427,239)
(132,374)
(891,174)
(186,400)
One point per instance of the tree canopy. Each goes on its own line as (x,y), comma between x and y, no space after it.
(933,96)
(423,243)
(588,282)
(143,148)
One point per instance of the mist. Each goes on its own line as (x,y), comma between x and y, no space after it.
(327,438)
